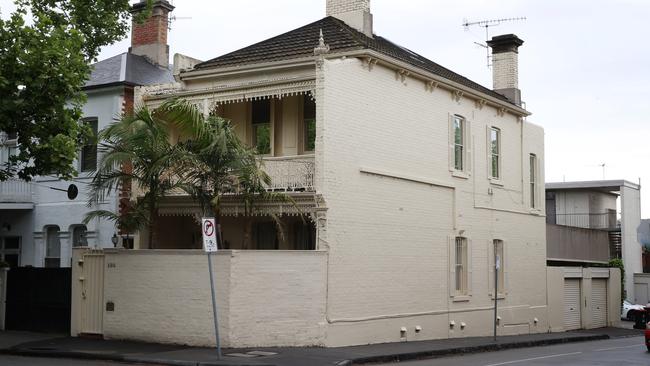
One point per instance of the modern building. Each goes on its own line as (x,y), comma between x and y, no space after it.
(593,222)
(39,224)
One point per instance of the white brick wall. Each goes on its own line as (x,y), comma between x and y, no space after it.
(389,238)
(271,298)
(505,70)
(335,7)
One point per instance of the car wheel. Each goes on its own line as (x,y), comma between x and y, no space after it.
(648,348)
(630,315)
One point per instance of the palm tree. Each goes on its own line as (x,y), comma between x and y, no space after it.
(140,151)
(218,163)
(175,147)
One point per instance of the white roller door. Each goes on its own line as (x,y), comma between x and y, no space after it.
(571,304)
(598,303)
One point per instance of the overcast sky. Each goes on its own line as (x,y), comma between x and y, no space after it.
(584,68)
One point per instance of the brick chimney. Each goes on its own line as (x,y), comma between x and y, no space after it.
(355,13)
(505,66)
(149,39)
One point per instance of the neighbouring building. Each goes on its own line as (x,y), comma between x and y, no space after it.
(408,180)
(39,225)
(585,229)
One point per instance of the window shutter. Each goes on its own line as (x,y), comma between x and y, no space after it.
(490,256)
(450,126)
(505,266)
(488,147)
(469,266)
(469,142)
(452,265)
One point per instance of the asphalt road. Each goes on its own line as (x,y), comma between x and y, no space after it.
(37,361)
(619,352)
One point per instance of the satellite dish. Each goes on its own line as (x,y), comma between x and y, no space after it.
(73,191)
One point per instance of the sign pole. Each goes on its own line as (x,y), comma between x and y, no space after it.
(214,307)
(209,231)
(496,289)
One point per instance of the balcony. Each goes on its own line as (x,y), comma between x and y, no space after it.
(290,173)
(600,221)
(16,191)
(575,244)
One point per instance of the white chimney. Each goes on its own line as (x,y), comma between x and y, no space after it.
(355,13)
(505,66)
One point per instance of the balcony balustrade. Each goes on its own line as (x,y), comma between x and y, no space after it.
(16,191)
(290,173)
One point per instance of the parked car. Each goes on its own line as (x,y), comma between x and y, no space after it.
(629,309)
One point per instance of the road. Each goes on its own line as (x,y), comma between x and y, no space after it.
(37,361)
(619,352)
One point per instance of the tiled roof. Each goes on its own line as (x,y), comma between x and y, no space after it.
(300,43)
(127,68)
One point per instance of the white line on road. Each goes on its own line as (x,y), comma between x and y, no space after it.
(609,349)
(534,358)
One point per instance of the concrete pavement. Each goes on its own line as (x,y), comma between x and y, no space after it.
(29,344)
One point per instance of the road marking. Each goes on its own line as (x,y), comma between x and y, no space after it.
(609,349)
(534,358)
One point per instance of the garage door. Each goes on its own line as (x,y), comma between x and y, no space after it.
(598,303)
(571,304)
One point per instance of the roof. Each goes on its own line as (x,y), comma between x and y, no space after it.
(597,185)
(300,43)
(127,68)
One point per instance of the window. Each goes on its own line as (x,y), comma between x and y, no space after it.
(495,155)
(459,142)
(88,160)
(309,123)
(261,117)
(53,247)
(10,149)
(461,266)
(10,250)
(533,180)
(79,236)
(499,265)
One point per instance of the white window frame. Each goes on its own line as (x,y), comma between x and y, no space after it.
(47,240)
(465,292)
(466,145)
(82,169)
(490,154)
(533,181)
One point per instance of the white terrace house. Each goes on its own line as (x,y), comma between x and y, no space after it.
(410,178)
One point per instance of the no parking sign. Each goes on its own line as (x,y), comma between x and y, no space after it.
(209,229)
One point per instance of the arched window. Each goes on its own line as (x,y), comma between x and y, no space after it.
(79,236)
(52,247)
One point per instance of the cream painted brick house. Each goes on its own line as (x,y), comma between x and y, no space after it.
(409,175)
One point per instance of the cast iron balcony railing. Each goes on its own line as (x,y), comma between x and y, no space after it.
(290,173)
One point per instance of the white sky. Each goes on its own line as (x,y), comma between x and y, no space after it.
(584,68)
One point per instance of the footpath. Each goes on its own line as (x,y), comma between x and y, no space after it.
(48,345)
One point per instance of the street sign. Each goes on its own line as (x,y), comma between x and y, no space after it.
(209,229)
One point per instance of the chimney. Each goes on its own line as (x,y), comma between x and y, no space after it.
(355,13)
(505,66)
(149,39)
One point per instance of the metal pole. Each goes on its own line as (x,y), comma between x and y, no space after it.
(496,289)
(214,307)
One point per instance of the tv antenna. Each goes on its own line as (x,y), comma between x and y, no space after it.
(173,18)
(487,24)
